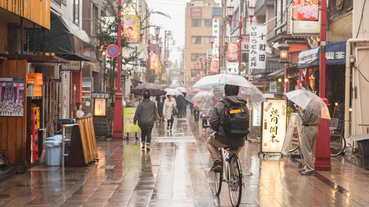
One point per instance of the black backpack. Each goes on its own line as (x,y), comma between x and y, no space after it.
(236,120)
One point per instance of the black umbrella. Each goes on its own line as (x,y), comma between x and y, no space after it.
(155,90)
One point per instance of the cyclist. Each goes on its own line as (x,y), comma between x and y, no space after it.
(219,138)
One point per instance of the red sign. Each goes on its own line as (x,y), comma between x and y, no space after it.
(232,51)
(214,66)
(305,10)
(113,50)
(195,12)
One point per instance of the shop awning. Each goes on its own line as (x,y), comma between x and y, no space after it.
(277,73)
(65,39)
(272,65)
(335,55)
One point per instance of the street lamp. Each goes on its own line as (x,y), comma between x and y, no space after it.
(157,32)
(283,52)
(230,10)
(251,13)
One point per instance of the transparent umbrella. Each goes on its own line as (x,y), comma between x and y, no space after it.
(173,92)
(174,85)
(216,84)
(310,102)
(181,89)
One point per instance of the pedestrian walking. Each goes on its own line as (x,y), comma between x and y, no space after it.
(179,101)
(169,105)
(160,101)
(309,133)
(145,115)
(184,106)
(224,125)
(196,112)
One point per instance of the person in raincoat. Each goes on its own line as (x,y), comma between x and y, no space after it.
(309,134)
(169,104)
(146,118)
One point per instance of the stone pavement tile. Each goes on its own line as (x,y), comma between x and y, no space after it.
(115,204)
(161,196)
(161,203)
(94,205)
(102,194)
(72,204)
(97,200)
(78,198)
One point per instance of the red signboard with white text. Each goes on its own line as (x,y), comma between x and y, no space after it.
(195,12)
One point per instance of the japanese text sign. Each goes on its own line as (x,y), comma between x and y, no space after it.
(245,43)
(274,122)
(232,68)
(100,107)
(257,52)
(195,12)
(214,66)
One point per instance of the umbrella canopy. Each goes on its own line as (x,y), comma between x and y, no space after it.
(173,92)
(202,95)
(174,85)
(181,89)
(166,89)
(216,83)
(163,85)
(193,91)
(309,102)
(154,89)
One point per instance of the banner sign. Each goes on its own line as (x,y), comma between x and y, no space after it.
(100,107)
(245,44)
(154,62)
(72,65)
(257,55)
(232,68)
(214,66)
(131,28)
(274,123)
(129,114)
(195,12)
(11,96)
(232,51)
(305,10)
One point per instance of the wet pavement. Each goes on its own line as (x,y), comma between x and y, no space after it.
(175,172)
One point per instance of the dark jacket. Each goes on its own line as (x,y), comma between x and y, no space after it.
(217,118)
(145,114)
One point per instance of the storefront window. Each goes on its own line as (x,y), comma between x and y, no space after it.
(208,23)
(207,40)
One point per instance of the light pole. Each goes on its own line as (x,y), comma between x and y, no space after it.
(161,72)
(157,32)
(118,117)
(148,59)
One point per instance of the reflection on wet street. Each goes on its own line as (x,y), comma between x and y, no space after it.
(175,172)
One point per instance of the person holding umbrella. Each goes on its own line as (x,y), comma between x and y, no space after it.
(169,105)
(145,115)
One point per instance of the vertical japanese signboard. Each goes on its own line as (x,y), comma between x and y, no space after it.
(214,66)
(273,125)
(257,53)
(232,51)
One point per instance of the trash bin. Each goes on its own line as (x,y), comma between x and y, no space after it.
(363,143)
(53,152)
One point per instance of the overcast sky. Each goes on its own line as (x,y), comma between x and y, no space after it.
(176,10)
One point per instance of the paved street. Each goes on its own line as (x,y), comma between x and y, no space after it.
(176,173)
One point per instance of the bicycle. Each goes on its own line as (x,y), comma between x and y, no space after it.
(232,173)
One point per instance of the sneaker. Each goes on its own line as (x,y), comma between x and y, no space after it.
(311,172)
(147,147)
(143,146)
(217,166)
(302,169)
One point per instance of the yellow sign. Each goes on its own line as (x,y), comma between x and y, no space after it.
(154,62)
(131,28)
(274,125)
(129,114)
(100,107)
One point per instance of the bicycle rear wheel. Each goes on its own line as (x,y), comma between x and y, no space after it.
(218,178)
(235,181)
(337,143)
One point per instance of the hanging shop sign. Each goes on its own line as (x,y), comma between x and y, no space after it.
(214,66)
(131,28)
(232,68)
(129,126)
(100,107)
(257,54)
(72,65)
(195,12)
(11,96)
(305,10)
(273,125)
(232,51)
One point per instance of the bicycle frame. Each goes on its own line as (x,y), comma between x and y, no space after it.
(226,172)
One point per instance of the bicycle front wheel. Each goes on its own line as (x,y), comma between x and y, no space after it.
(337,143)
(235,181)
(218,178)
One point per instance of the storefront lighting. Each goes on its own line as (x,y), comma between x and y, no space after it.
(279,79)
(103,53)
(286,80)
(283,52)
(336,104)
(350,109)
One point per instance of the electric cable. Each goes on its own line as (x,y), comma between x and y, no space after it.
(361,18)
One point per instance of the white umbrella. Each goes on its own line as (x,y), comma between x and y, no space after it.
(174,85)
(173,92)
(181,89)
(202,95)
(310,102)
(251,93)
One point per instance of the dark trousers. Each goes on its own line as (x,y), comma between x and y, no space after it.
(196,115)
(170,122)
(204,122)
(146,133)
